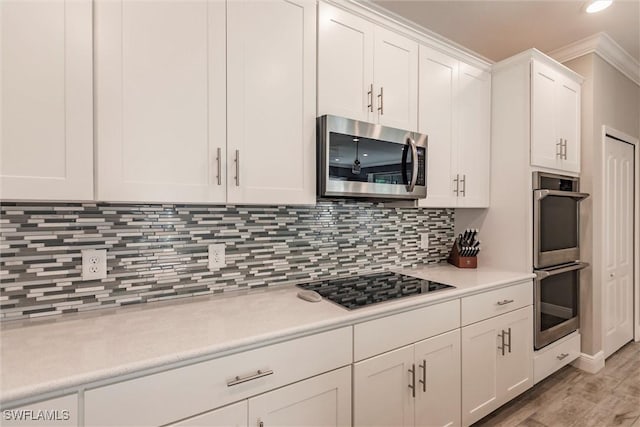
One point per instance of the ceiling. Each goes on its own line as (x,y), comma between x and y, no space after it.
(497,29)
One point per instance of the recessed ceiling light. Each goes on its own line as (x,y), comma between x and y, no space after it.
(598,5)
(364,154)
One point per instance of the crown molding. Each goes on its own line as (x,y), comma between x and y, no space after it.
(606,48)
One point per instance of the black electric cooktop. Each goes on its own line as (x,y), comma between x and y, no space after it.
(360,291)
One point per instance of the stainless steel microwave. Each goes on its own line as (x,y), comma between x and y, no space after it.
(359,159)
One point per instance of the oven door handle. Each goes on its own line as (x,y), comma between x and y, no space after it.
(543,274)
(541,194)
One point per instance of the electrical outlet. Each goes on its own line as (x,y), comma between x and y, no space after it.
(216,256)
(94,264)
(424,241)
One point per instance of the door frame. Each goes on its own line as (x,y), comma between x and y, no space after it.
(623,137)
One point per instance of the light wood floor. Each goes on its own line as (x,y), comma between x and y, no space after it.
(571,397)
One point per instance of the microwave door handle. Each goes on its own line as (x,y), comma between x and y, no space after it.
(543,274)
(414,162)
(541,194)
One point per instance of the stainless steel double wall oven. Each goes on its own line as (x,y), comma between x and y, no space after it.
(556,249)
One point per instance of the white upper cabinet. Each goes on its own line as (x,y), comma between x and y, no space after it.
(555,119)
(201,101)
(365,72)
(271,101)
(46,118)
(474,141)
(345,68)
(395,74)
(160,100)
(455,112)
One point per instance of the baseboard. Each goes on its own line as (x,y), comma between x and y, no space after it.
(589,363)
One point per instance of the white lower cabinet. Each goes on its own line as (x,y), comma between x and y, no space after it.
(496,362)
(233,415)
(415,385)
(324,400)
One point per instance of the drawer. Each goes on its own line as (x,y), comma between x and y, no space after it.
(384,334)
(554,356)
(179,393)
(493,303)
(62,411)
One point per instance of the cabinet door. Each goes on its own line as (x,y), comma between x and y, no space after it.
(438,82)
(271,101)
(545,143)
(46,116)
(324,400)
(62,411)
(568,122)
(381,395)
(395,73)
(515,368)
(479,369)
(345,64)
(160,107)
(438,380)
(474,140)
(234,415)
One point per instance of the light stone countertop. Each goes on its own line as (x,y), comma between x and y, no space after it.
(46,356)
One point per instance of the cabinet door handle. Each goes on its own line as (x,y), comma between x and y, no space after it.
(239,380)
(219,162)
(370,97)
(423,381)
(509,340)
(464,186)
(457,181)
(260,423)
(505,302)
(565,149)
(381,103)
(559,148)
(562,356)
(501,347)
(237,168)
(412,386)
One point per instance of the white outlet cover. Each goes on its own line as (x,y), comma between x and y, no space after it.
(94,264)
(217,256)
(424,241)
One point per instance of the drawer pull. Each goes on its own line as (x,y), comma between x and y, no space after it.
(505,301)
(562,356)
(239,380)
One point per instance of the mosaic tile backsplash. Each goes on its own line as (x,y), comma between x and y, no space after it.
(157,252)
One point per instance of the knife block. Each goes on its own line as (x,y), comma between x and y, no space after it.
(461,261)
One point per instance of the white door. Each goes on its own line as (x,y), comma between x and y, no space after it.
(545,144)
(395,73)
(479,369)
(438,380)
(345,64)
(438,82)
(160,100)
(324,400)
(381,393)
(271,101)
(568,122)
(474,140)
(234,415)
(515,367)
(46,91)
(618,245)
